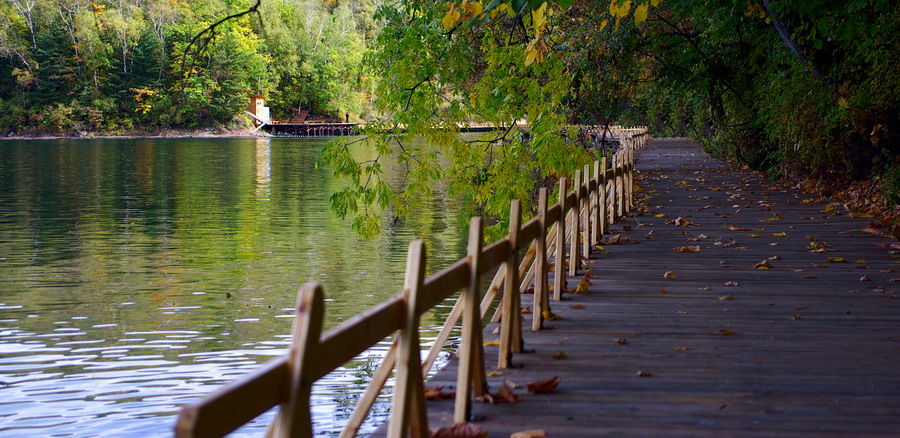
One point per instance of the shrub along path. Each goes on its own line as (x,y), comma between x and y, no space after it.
(784,322)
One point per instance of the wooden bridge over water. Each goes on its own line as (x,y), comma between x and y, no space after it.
(716,304)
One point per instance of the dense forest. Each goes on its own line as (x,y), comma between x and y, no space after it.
(122,66)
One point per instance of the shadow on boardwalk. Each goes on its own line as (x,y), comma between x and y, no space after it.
(807,347)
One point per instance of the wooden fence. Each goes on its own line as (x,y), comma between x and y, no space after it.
(580,217)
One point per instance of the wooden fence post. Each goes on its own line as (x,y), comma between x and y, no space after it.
(510,342)
(408,409)
(559,276)
(586,209)
(574,248)
(539,304)
(620,184)
(471,357)
(595,212)
(612,190)
(604,214)
(294,419)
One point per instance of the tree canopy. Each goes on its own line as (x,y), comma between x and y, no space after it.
(785,86)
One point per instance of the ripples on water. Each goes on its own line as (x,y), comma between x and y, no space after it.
(116,258)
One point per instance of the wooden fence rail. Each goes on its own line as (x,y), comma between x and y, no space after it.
(581,217)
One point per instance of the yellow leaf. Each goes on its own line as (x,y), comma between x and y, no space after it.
(663,291)
(603,24)
(530,54)
(640,13)
(836,259)
(725,298)
(660,215)
(779,234)
(681,348)
(654,3)
(451,17)
(582,287)
(669,274)
(843,102)
(548,315)
(687,249)
(861,261)
(492,343)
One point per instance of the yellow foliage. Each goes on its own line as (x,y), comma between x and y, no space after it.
(640,13)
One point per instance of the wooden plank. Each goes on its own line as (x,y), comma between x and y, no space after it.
(408,414)
(443,284)
(355,335)
(493,255)
(242,400)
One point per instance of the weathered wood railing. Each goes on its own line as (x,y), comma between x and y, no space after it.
(580,217)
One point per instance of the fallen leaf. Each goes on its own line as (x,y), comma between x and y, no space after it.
(731,283)
(582,287)
(459,430)
(861,261)
(808,276)
(772,219)
(734,228)
(725,298)
(763,265)
(727,332)
(864,278)
(644,374)
(682,348)
(533,433)
(506,392)
(660,215)
(681,222)
(526,310)
(621,341)
(438,393)
(782,234)
(577,306)
(687,249)
(755,236)
(837,259)
(548,316)
(492,343)
(558,355)
(543,386)
(669,274)
(612,240)
(704,288)
(626,228)
(494,373)
(663,291)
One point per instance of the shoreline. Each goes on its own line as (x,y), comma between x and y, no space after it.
(196,133)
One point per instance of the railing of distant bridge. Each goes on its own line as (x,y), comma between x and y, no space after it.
(580,217)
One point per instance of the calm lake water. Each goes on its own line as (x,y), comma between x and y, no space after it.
(116,258)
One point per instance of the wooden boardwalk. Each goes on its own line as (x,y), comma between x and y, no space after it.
(807,347)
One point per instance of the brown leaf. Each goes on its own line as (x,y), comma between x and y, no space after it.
(837,259)
(808,276)
(687,249)
(734,228)
(506,392)
(559,355)
(533,433)
(727,332)
(612,240)
(437,393)
(526,310)
(669,274)
(459,430)
(681,222)
(621,341)
(864,278)
(577,306)
(763,265)
(543,386)
(644,374)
